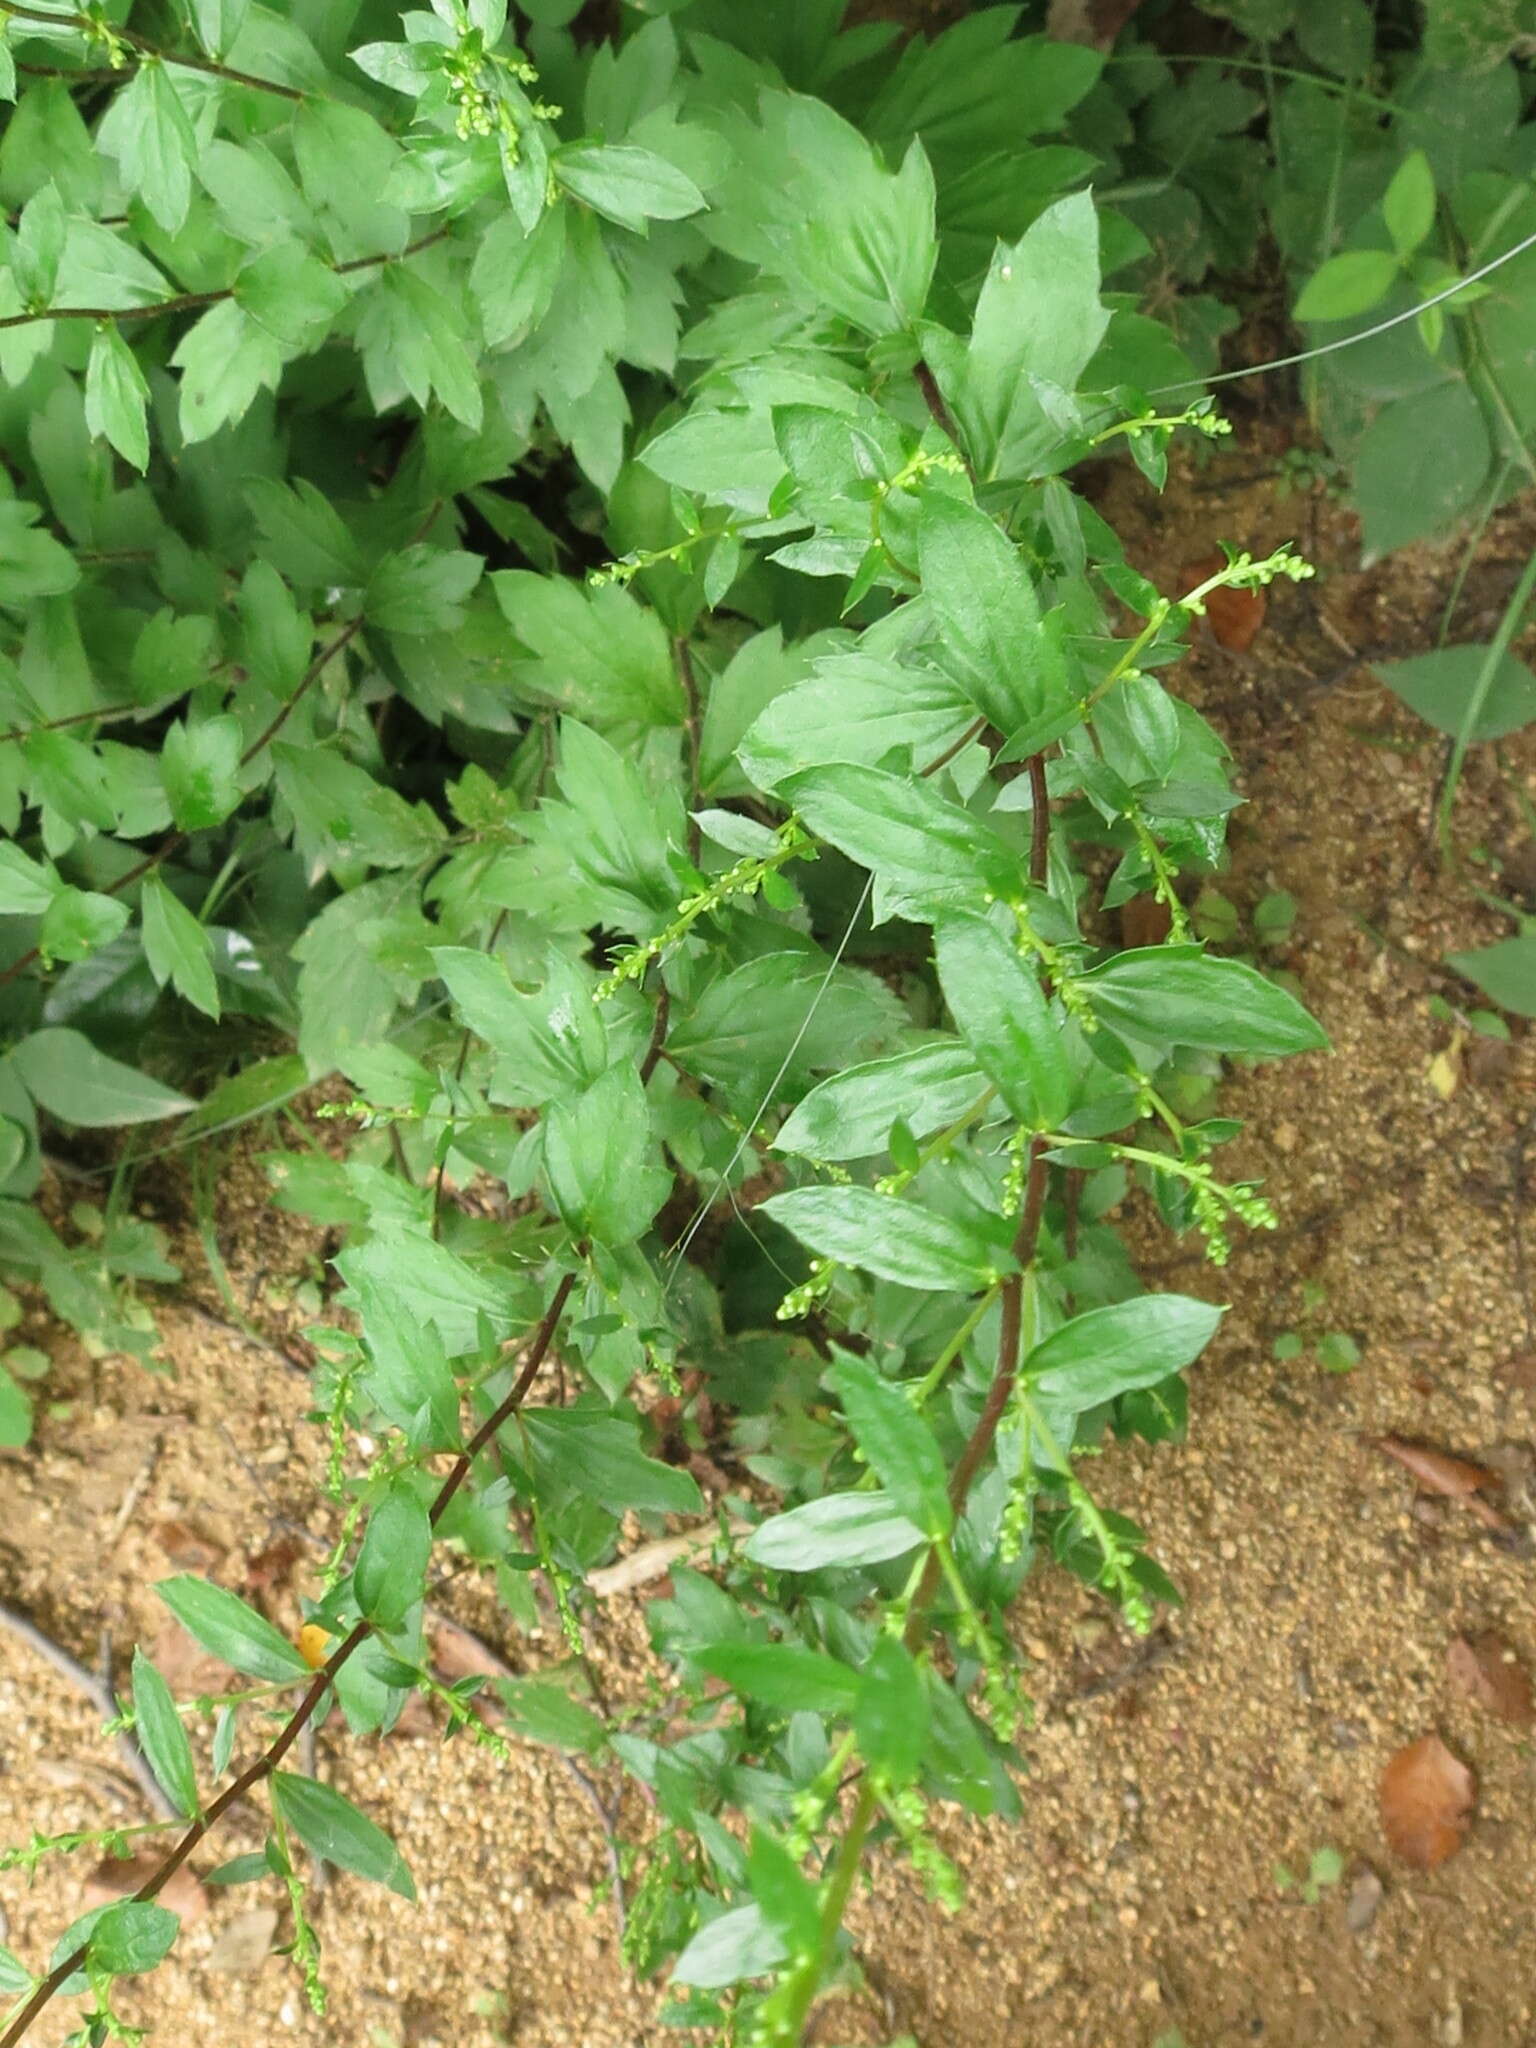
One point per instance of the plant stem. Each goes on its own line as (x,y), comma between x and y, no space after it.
(320,1686)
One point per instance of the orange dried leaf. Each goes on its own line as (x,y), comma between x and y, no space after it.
(186,1546)
(1438,1471)
(1144,921)
(1485,1669)
(1427,1795)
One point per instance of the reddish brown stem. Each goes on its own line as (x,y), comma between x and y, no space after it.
(320,1685)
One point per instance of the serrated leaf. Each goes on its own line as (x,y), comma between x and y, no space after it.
(627,184)
(178,947)
(115,395)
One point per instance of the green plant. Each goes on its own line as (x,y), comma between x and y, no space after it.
(1324,1869)
(716,885)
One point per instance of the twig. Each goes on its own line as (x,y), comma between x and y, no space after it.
(319,1688)
(655,1560)
(99,1693)
(134,1494)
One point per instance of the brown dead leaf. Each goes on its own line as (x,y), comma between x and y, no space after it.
(116,1879)
(1145,921)
(271,1569)
(244,1945)
(459,1653)
(1094,22)
(1234,616)
(1485,1669)
(186,1666)
(1441,1472)
(1427,1795)
(1518,1369)
(186,1546)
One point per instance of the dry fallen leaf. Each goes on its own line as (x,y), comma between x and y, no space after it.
(1234,616)
(1426,1796)
(1485,1668)
(1440,1472)
(116,1879)
(1145,921)
(186,1546)
(244,1944)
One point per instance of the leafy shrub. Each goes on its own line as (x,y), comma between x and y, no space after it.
(543,578)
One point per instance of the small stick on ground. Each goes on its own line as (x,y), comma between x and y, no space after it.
(97,1692)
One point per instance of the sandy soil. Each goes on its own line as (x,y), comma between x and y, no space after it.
(1138,1897)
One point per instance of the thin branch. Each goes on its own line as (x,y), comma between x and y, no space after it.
(319,1687)
(99,1693)
(173,840)
(193,302)
(933,398)
(94,31)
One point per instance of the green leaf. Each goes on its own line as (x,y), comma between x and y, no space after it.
(408,1377)
(162,1736)
(1409,202)
(891,1719)
(291,295)
(1440,687)
(413,339)
(115,393)
(1116,1349)
(545,1712)
(178,948)
(1348,284)
(1038,323)
(598,1455)
(995,998)
(992,640)
(26,890)
(402,1269)
(15,1980)
(628,185)
(332,1828)
(842,1529)
(924,851)
(896,1443)
(1506,972)
(783,1675)
(790,1902)
(1181,996)
(739,1944)
(855,708)
(514,274)
(598,654)
(15,1413)
(421,589)
(391,1571)
(225,359)
(1421,465)
(892,1239)
(849,1115)
(80,922)
(148,131)
(200,765)
(305,536)
(124,1939)
(68,1077)
(235,1633)
(602,1160)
